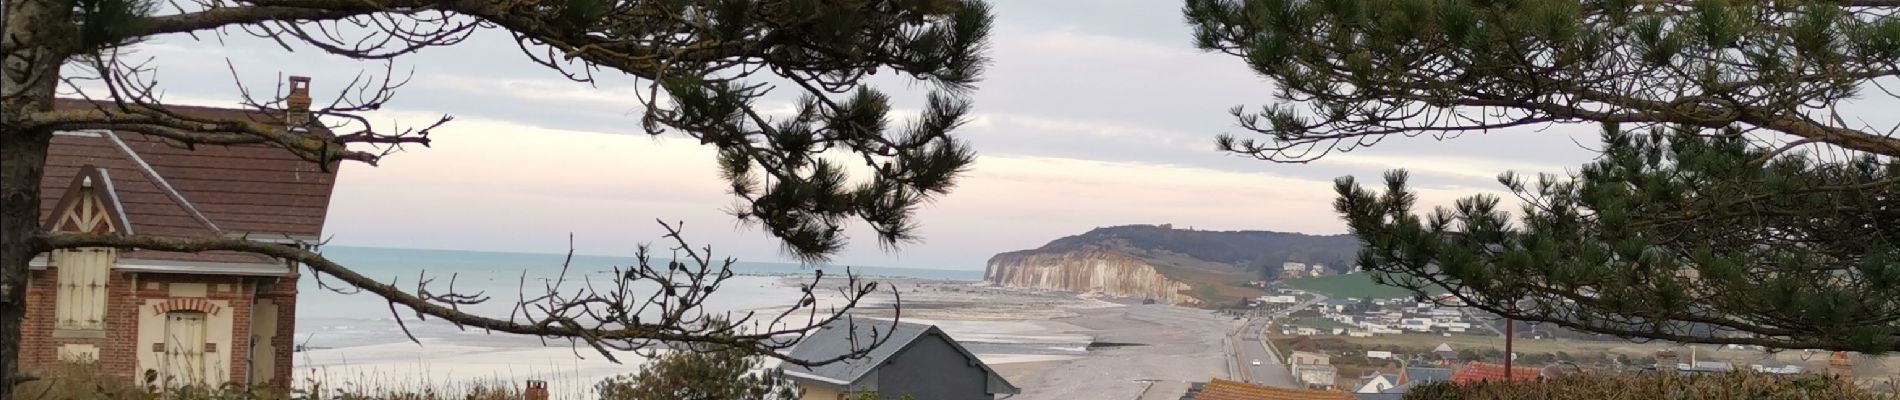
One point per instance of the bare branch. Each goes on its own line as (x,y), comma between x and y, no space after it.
(604,319)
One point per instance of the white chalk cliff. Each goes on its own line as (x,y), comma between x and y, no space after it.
(1086,271)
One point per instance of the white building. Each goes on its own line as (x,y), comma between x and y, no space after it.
(1320,375)
(1416,324)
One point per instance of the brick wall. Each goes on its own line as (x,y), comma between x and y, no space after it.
(127,292)
(284,292)
(236,290)
(39,348)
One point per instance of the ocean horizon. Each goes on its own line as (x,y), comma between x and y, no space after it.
(368,259)
(346,335)
(330,316)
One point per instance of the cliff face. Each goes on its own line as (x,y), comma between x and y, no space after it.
(1179,266)
(1086,271)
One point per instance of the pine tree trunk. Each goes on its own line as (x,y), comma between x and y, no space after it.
(24,156)
(29,71)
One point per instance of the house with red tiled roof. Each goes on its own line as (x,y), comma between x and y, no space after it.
(161,319)
(1221,389)
(1479,372)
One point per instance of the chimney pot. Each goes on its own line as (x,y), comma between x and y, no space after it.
(537,390)
(1840,366)
(297,106)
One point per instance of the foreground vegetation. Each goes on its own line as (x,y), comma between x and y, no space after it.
(86,381)
(696,374)
(1736,198)
(1740,385)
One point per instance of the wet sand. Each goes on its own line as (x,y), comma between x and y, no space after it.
(1057,345)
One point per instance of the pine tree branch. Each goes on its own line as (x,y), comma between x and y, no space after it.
(222,17)
(188,130)
(604,320)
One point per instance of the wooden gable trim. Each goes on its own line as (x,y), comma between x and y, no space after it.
(89,205)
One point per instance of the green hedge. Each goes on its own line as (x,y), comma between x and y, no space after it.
(1738,385)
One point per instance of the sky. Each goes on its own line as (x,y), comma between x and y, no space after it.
(1092,114)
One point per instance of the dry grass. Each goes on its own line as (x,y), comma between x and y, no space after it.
(73,381)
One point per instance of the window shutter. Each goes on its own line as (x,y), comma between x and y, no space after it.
(81,298)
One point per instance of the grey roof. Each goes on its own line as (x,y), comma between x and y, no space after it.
(1378,396)
(1404,387)
(844,334)
(1427,374)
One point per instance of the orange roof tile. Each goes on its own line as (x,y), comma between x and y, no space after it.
(1221,389)
(1479,372)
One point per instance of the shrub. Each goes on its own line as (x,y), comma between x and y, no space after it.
(1737,385)
(711,374)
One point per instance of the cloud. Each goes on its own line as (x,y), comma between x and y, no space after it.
(1093,114)
(500,185)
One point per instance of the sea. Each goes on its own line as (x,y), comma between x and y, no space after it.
(331,314)
(349,336)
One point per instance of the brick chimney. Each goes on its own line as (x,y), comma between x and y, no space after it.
(1840,366)
(1666,361)
(537,390)
(297,106)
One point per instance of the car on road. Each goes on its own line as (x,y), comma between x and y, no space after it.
(1256,361)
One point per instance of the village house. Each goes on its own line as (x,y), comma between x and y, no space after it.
(162,319)
(1377,383)
(1422,375)
(1407,379)
(1222,389)
(1300,357)
(1446,355)
(1475,372)
(916,359)
(1319,376)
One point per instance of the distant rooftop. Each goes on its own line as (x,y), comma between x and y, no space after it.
(1478,372)
(1221,389)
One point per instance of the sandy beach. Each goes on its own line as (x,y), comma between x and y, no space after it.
(1053,345)
(1058,345)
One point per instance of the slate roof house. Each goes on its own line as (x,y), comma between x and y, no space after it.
(162,319)
(1377,383)
(1407,379)
(918,360)
(1423,375)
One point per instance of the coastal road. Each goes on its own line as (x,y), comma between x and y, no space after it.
(1272,371)
(1253,345)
